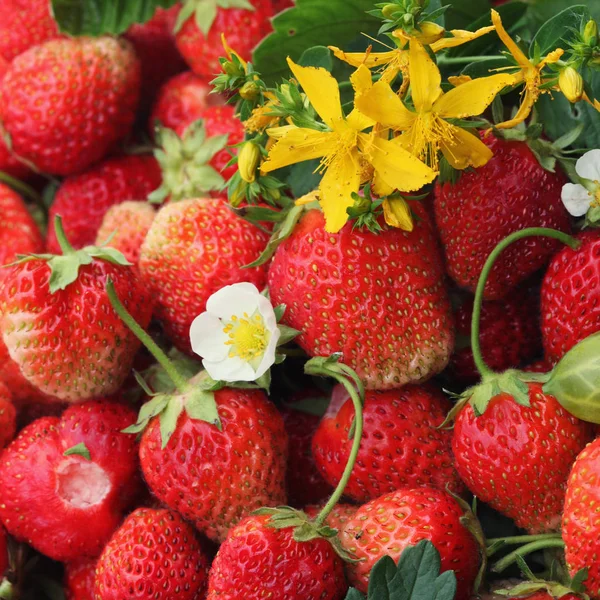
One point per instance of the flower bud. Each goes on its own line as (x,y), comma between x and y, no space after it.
(429,32)
(248,159)
(249,91)
(570,84)
(389,9)
(590,33)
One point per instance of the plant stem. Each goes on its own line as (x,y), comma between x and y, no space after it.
(570,241)
(61,237)
(154,349)
(22,188)
(459,60)
(521,539)
(509,559)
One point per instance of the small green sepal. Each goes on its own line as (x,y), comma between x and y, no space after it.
(78,450)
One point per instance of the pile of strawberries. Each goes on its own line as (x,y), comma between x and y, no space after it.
(113,465)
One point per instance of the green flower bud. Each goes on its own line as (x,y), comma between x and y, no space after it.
(249,91)
(590,33)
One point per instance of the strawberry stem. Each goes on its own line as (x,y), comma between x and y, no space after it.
(566,239)
(61,237)
(23,189)
(521,539)
(179,380)
(513,557)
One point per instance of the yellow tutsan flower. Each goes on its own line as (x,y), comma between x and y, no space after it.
(529,74)
(427,130)
(343,147)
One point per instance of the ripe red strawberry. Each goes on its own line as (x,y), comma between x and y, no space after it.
(509,334)
(8,417)
(379,299)
(194,248)
(257,561)
(154,554)
(570,297)
(18,232)
(181,100)
(86,101)
(401,444)
(67,506)
(215,478)
(73,346)
(280,5)
(79,580)
(200,43)
(517,458)
(511,192)
(580,526)
(82,200)
(394,521)
(337,518)
(131,221)
(25,23)
(543,365)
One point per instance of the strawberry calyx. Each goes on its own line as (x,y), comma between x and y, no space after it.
(205,12)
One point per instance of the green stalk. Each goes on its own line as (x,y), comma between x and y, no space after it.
(61,237)
(566,239)
(511,558)
(179,380)
(521,539)
(22,188)
(459,60)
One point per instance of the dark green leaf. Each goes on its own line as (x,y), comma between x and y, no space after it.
(541,11)
(317,56)
(354,594)
(303,177)
(78,450)
(464,12)
(555,32)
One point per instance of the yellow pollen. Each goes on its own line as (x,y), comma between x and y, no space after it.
(426,136)
(345,142)
(248,336)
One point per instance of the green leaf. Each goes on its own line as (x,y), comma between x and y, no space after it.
(464,12)
(575,380)
(287,334)
(558,30)
(317,56)
(78,450)
(201,405)
(303,177)
(313,405)
(354,594)
(99,17)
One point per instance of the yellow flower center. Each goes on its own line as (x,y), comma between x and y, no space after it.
(346,140)
(248,336)
(426,136)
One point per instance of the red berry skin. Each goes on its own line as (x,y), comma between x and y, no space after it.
(570,298)
(517,458)
(83,200)
(73,346)
(193,249)
(389,524)
(337,518)
(25,23)
(154,554)
(511,192)
(379,299)
(19,233)
(215,478)
(257,561)
(85,103)
(242,28)
(8,417)
(67,507)
(79,580)
(400,447)
(580,525)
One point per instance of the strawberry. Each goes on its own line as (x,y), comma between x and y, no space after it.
(154,554)
(130,222)
(8,417)
(511,192)
(517,457)
(72,346)
(570,297)
(194,248)
(85,103)
(337,518)
(67,505)
(79,580)
(260,561)
(543,365)
(82,200)
(25,23)
(389,524)
(198,37)
(401,445)
(337,289)
(182,100)
(18,232)
(280,5)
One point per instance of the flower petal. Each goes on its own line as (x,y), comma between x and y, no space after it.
(265,308)
(459,37)
(358,121)
(208,338)
(233,299)
(465,150)
(524,111)
(396,213)
(268,358)
(517,53)
(230,369)
(588,166)
(425,78)
(322,91)
(472,97)
(381,104)
(368,59)
(341,179)
(361,80)
(576,199)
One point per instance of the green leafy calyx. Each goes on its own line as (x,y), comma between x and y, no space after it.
(205,12)
(78,450)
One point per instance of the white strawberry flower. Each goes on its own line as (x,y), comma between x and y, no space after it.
(238,335)
(579,197)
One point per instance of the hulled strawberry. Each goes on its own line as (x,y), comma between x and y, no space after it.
(154,554)
(198,31)
(8,417)
(511,192)
(70,118)
(194,248)
(389,524)
(402,445)
(379,299)
(67,504)
(72,345)
(79,579)
(82,200)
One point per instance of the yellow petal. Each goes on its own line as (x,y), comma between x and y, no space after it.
(396,213)
(517,53)
(457,80)
(361,80)
(230,52)
(465,150)
(308,198)
(322,91)
(551,58)
(459,37)
(340,181)
(358,121)
(425,78)
(298,144)
(524,111)
(382,104)
(368,59)
(471,98)
(595,103)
